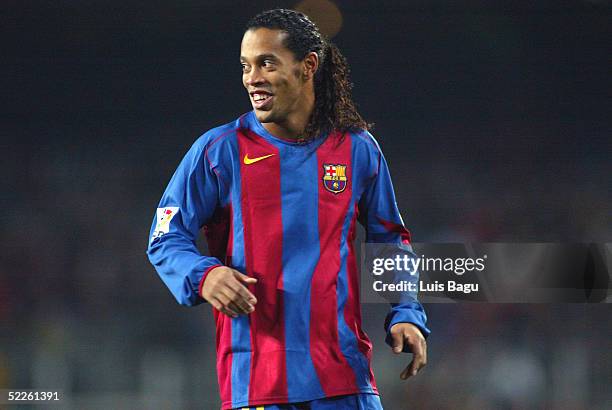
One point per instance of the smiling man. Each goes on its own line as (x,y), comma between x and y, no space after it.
(278,193)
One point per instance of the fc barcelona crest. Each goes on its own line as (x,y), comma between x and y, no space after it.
(334,178)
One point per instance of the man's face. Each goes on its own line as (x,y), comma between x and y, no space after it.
(271,75)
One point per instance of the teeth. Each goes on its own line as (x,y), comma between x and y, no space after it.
(259,97)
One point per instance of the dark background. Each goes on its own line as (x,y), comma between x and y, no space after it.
(495,120)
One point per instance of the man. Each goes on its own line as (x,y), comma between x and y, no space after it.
(277,193)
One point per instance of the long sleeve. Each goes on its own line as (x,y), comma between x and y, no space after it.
(187,204)
(379,214)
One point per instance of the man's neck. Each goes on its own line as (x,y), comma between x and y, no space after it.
(287,130)
(294,126)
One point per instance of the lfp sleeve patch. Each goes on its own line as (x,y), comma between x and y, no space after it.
(164,216)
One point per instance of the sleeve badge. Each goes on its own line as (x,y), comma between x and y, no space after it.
(164,216)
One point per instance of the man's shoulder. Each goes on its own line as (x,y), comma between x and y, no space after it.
(218,134)
(363,139)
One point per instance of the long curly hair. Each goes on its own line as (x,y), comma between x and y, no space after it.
(334,107)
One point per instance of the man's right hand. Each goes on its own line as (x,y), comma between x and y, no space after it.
(226,290)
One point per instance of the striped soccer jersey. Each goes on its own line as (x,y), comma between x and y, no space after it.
(284,212)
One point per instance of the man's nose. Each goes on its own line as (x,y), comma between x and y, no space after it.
(254,77)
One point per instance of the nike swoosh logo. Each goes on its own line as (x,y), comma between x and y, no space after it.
(249,161)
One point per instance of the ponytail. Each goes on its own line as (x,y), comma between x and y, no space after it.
(334,107)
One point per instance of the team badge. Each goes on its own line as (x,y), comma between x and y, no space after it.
(334,178)
(164,216)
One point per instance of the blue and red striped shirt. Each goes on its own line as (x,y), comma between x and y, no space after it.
(285,212)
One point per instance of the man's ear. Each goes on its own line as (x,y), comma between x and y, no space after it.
(310,65)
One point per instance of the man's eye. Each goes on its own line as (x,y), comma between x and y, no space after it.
(268,63)
(245,68)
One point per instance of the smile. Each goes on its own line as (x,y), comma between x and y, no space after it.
(261,99)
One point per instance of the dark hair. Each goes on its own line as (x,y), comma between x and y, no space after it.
(334,107)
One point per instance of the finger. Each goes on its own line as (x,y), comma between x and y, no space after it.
(242,282)
(406,372)
(398,342)
(248,280)
(244,305)
(229,313)
(237,303)
(424,346)
(217,305)
(237,308)
(418,361)
(242,291)
(225,303)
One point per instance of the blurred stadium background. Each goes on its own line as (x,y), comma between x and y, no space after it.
(494,117)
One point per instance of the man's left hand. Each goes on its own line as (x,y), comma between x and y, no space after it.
(408,334)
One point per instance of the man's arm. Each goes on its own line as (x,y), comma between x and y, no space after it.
(187,203)
(405,323)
